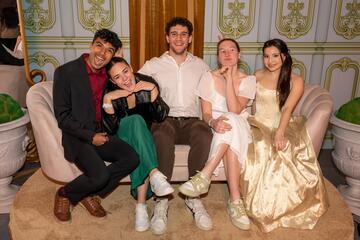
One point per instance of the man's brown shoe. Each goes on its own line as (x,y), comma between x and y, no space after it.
(92,204)
(62,208)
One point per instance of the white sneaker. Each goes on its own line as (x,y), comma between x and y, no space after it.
(202,218)
(237,213)
(159,185)
(159,219)
(141,218)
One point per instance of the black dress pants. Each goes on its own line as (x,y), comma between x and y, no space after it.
(97,178)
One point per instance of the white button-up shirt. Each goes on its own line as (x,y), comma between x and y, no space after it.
(177,82)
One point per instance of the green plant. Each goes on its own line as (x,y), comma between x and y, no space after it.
(9,109)
(350,111)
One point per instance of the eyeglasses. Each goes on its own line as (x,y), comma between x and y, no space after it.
(177,34)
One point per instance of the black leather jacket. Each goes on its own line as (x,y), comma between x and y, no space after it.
(155,111)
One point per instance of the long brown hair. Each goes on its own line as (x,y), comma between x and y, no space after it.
(283,84)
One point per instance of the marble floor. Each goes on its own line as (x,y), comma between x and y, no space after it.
(325,159)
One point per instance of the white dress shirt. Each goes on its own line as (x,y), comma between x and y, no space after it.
(177,82)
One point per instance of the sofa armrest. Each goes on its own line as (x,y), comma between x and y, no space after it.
(47,134)
(316,105)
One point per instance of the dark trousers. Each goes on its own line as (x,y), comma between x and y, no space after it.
(99,179)
(187,131)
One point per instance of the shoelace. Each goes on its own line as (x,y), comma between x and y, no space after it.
(160,211)
(94,202)
(239,209)
(198,182)
(198,208)
(63,203)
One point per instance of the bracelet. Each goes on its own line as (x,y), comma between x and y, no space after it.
(209,122)
(107,105)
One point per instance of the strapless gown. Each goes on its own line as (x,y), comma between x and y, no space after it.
(281,188)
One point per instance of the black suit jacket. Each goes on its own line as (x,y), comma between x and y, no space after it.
(73,106)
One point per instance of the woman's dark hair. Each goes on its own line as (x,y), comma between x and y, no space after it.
(179,21)
(110,86)
(114,61)
(283,84)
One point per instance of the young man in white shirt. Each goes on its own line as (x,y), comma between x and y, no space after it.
(178,72)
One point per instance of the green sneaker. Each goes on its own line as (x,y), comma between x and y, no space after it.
(236,211)
(197,185)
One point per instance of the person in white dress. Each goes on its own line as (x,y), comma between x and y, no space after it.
(225,95)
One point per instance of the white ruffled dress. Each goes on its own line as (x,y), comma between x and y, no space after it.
(239,136)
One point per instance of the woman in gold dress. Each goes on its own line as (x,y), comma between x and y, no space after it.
(282,184)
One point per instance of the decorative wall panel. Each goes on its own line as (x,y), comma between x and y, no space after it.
(323,35)
(60,31)
(347,19)
(294,24)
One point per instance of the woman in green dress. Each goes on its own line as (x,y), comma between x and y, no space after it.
(131,103)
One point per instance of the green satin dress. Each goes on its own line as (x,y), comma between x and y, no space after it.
(134,131)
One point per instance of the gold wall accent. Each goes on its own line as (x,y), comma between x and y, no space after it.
(35,72)
(236,24)
(294,24)
(347,25)
(37,19)
(41,58)
(244,67)
(301,66)
(343,64)
(96,17)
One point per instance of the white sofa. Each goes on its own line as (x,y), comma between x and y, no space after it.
(316,105)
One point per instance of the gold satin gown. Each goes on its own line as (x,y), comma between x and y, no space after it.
(285,188)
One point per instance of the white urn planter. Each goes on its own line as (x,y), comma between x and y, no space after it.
(13,140)
(346,155)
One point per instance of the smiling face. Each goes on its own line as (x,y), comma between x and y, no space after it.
(228,53)
(122,75)
(178,39)
(273,59)
(100,54)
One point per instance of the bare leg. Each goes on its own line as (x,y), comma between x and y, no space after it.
(153,171)
(232,172)
(141,191)
(213,163)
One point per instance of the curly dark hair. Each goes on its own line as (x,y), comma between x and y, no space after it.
(179,21)
(108,36)
(283,84)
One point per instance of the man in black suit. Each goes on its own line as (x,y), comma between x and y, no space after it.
(78,88)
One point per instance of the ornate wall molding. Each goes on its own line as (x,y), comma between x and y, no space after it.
(294,25)
(41,58)
(96,17)
(301,67)
(37,19)
(347,25)
(343,64)
(236,24)
(244,67)
(297,48)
